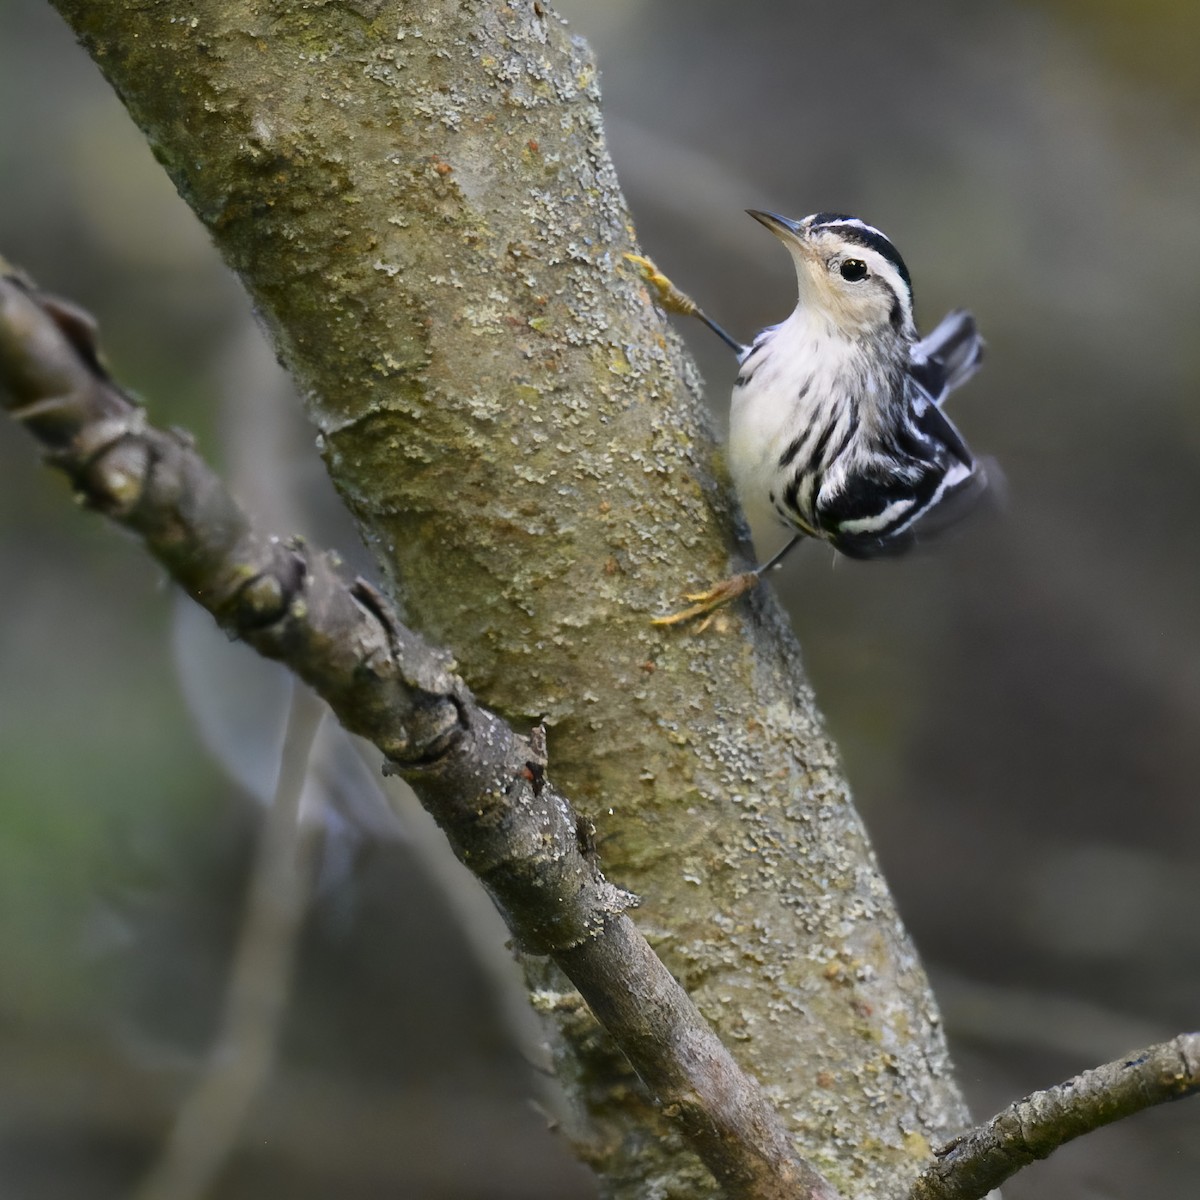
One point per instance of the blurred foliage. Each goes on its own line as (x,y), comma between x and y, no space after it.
(1017,707)
(1156,42)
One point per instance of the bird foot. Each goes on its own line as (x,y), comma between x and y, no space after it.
(704,604)
(669,296)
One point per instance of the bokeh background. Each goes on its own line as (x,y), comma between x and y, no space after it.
(1018,709)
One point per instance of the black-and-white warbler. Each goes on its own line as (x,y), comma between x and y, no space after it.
(836,425)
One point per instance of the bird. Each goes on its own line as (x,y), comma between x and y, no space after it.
(837,429)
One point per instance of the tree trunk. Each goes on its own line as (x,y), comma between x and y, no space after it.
(419,199)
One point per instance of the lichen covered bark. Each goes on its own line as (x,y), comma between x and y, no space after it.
(419,199)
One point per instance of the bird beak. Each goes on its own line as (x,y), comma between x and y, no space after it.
(782,227)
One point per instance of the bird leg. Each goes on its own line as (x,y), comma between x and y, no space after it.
(676,301)
(707,602)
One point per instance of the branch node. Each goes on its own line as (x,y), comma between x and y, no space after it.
(424,668)
(260,601)
(113,479)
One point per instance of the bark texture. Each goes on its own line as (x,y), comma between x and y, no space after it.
(419,200)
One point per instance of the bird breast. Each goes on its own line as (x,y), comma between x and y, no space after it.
(797,380)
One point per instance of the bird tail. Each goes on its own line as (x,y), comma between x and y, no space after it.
(956,345)
(984,487)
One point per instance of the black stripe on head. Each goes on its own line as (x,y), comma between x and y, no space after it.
(861,234)
(830,218)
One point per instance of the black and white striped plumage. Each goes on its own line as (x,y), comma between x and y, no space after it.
(836,425)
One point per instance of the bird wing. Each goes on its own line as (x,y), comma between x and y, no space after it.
(938,427)
(933,482)
(947,357)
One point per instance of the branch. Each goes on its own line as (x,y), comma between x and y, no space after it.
(211,1118)
(483,783)
(972,1165)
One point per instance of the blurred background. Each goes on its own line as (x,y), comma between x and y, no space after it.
(1018,708)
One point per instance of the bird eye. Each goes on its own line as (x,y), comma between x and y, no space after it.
(854,269)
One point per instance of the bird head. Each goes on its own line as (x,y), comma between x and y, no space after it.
(848,271)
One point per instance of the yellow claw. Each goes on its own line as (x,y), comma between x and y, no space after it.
(705,603)
(669,296)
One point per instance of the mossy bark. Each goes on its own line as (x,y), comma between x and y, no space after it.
(419,200)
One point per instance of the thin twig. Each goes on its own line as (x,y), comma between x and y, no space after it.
(972,1165)
(210,1119)
(482,782)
